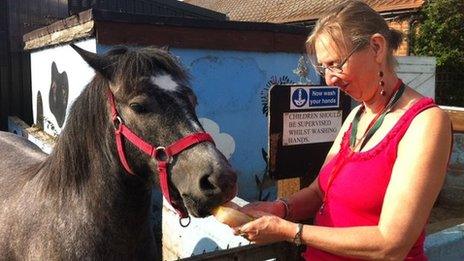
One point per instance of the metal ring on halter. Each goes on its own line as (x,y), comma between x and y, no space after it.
(189,219)
(117,121)
(162,149)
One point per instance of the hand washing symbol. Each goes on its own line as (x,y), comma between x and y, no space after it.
(300,97)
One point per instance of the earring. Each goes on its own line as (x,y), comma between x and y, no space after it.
(381,84)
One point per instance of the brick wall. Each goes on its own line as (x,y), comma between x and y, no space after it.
(403,26)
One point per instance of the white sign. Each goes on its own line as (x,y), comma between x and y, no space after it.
(314,97)
(311,127)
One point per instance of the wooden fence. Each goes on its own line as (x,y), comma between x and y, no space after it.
(456,115)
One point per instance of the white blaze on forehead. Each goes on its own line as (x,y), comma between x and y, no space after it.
(165,82)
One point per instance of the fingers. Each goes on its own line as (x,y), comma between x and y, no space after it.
(249,230)
(250,235)
(255,213)
(239,232)
(262,230)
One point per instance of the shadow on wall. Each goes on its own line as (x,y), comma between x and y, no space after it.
(58,95)
(39,117)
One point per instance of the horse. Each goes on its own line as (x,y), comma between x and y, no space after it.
(132,127)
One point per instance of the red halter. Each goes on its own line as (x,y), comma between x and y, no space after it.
(163,163)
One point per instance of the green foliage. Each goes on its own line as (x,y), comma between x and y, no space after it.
(440,33)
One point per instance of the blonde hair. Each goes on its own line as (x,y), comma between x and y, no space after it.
(352,23)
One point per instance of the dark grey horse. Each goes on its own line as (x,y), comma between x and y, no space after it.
(79,203)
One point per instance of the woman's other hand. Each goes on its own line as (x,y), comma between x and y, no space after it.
(267,229)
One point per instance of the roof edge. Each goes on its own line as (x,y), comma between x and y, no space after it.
(110,16)
(197,10)
(86,24)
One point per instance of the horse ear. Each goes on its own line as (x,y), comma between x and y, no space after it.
(99,63)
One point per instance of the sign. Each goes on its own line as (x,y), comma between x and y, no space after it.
(304,120)
(314,97)
(310,127)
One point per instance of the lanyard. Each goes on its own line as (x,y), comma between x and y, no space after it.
(375,124)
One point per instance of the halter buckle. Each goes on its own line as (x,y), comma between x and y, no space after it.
(162,155)
(117,121)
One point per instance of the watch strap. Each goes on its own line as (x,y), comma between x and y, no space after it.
(297,238)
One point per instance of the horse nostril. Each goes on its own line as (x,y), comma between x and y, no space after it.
(206,184)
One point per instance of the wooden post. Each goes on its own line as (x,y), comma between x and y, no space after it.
(287,187)
(456,115)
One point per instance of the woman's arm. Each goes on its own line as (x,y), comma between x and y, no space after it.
(416,180)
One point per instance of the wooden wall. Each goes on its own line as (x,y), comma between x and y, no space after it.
(4,68)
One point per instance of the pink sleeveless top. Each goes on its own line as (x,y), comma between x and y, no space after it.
(356,194)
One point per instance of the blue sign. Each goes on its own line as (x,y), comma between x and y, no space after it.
(299,97)
(314,97)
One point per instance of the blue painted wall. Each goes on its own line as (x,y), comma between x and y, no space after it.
(229,86)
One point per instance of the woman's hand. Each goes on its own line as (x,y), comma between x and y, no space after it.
(267,229)
(273,207)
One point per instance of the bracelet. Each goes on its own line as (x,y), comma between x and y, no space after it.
(286,207)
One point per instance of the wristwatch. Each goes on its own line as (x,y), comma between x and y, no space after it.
(297,238)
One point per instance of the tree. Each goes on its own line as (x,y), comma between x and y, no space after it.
(439,32)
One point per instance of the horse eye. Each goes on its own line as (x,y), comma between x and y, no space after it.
(138,108)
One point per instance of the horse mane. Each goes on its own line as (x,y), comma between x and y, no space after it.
(84,145)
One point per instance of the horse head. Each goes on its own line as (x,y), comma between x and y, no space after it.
(152,98)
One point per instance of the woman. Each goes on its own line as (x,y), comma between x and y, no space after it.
(375,191)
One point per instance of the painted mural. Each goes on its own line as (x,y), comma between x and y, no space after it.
(39,111)
(58,94)
(224,142)
(58,76)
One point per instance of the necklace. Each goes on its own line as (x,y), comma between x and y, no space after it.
(375,124)
(355,143)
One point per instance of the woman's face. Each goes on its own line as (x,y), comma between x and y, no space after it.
(359,77)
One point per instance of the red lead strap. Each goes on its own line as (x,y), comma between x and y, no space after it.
(163,160)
